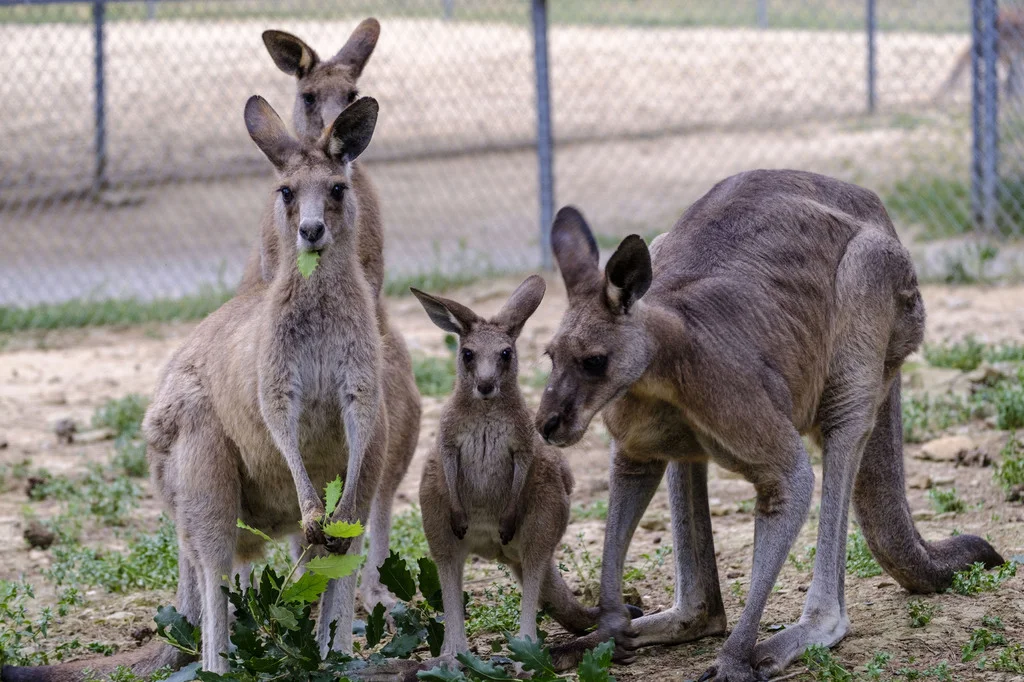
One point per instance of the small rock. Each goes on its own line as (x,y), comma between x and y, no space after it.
(920,482)
(923,515)
(55,398)
(32,483)
(722,509)
(946,449)
(653,523)
(657,540)
(3,443)
(943,479)
(802,588)
(38,556)
(732,575)
(38,536)
(885,583)
(65,430)
(931,379)
(119,617)
(976,457)
(142,635)
(93,436)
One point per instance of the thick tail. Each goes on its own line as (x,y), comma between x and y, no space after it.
(142,662)
(881,504)
(564,607)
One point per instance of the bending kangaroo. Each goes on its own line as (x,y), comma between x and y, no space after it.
(491,487)
(278,389)
(781,303)
(323,90)
(1009,51)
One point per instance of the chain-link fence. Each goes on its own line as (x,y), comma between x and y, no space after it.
(126,172)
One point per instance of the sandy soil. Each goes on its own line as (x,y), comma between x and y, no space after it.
(44,377)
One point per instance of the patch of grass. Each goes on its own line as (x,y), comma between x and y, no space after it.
(648,562)
(124,416)
(86,313)
(975,579)
(435,376)
(1008,398)
(1009,473)
(737,591)
(876,666)
(806,563)
(22,635)
(823,666)
(943,205)
(946,501)
(407,536)
(434,282)
(110,501)
(926,416)
(966,355)
(150,563)
(980,640)
(598,509)
(584,564)
(859,561)
(497,611)
(1009,660)
(538,378)
(920,612)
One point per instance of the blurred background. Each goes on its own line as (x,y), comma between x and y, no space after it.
(129,186)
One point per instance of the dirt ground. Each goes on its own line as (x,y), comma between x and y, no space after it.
(45,377)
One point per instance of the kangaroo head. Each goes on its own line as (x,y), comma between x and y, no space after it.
(601,346)
(487,364)
(324,87)
(314,205)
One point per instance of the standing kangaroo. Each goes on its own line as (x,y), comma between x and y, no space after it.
(323,90)
(277,390)
(491,487)
(1009,51)
(781,303)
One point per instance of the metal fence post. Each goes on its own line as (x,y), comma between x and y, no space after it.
(448,8)
(545,144)
(872,27)
(984,114)
(762,13)
(99,109)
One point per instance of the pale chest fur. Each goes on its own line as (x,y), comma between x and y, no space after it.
(485,466)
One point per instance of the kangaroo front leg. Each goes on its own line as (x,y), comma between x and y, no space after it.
(337,605)
(365,430)
(631,487)
(698,610)
(522,460)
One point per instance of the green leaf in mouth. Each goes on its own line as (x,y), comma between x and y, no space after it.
(307,262)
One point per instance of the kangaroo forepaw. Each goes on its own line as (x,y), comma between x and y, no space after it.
(731,670)
(570,654)
(460,523)
(507,529)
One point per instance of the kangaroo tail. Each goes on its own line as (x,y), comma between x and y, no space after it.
(565,608)
(881,504)
(142,662)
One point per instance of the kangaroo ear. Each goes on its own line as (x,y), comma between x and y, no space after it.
(448,315)
(575,249)
(352,130)
(520,305)
(268,131)
(291,55)
(356,52)
(628,274)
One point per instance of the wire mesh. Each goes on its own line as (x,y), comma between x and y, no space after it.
(653,102)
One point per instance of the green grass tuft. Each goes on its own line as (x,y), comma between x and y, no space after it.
(975,579)
(946,501)
(920,612)
(859,560)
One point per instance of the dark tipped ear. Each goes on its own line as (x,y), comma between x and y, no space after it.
(356,52)
(628,274)
(268,131)
(575,249)
(352,130)
(520,305)
(291,55)
(448,315)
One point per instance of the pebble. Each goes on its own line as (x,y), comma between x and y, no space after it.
(945,449)
(93,436)
(119,617)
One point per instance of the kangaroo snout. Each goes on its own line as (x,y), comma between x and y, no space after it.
(547,427)
(311,231)
(485,388)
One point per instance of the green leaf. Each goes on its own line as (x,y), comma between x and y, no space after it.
(307,262)
(344,529)
(306,589)
(442,674)
(173,628)
(430,584)
(255,531)
(596,663)
(375,625)
(483,669)
(533,657)
(332,494)
(400,646)
(435,636)
(336,565)
(395,575)
(284,617)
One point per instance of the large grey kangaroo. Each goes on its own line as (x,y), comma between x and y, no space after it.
(277,390)
(323,89)
(781,303)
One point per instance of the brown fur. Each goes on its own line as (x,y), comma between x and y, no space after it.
(781,303)
(491,487)
(1009,51)
(330,86)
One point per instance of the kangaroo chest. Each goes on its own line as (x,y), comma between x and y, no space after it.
(485,467)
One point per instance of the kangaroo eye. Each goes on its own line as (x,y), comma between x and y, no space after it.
(309,98)
(337,191)
(352,96)
(287,194)
(467,355)
(595,365)
(506,354)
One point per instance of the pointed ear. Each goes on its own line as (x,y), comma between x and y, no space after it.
(575,249)
(268,131)
(291,55)
(520,305)
(448,315)
(356,52)
(628,274)
(352,130)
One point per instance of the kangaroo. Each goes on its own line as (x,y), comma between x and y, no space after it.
(491,487)
(278,388)
(781,303)
(1009,51)
(324,89)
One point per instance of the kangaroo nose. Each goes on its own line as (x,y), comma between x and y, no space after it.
(485,388)
(550,425)
(312,230)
